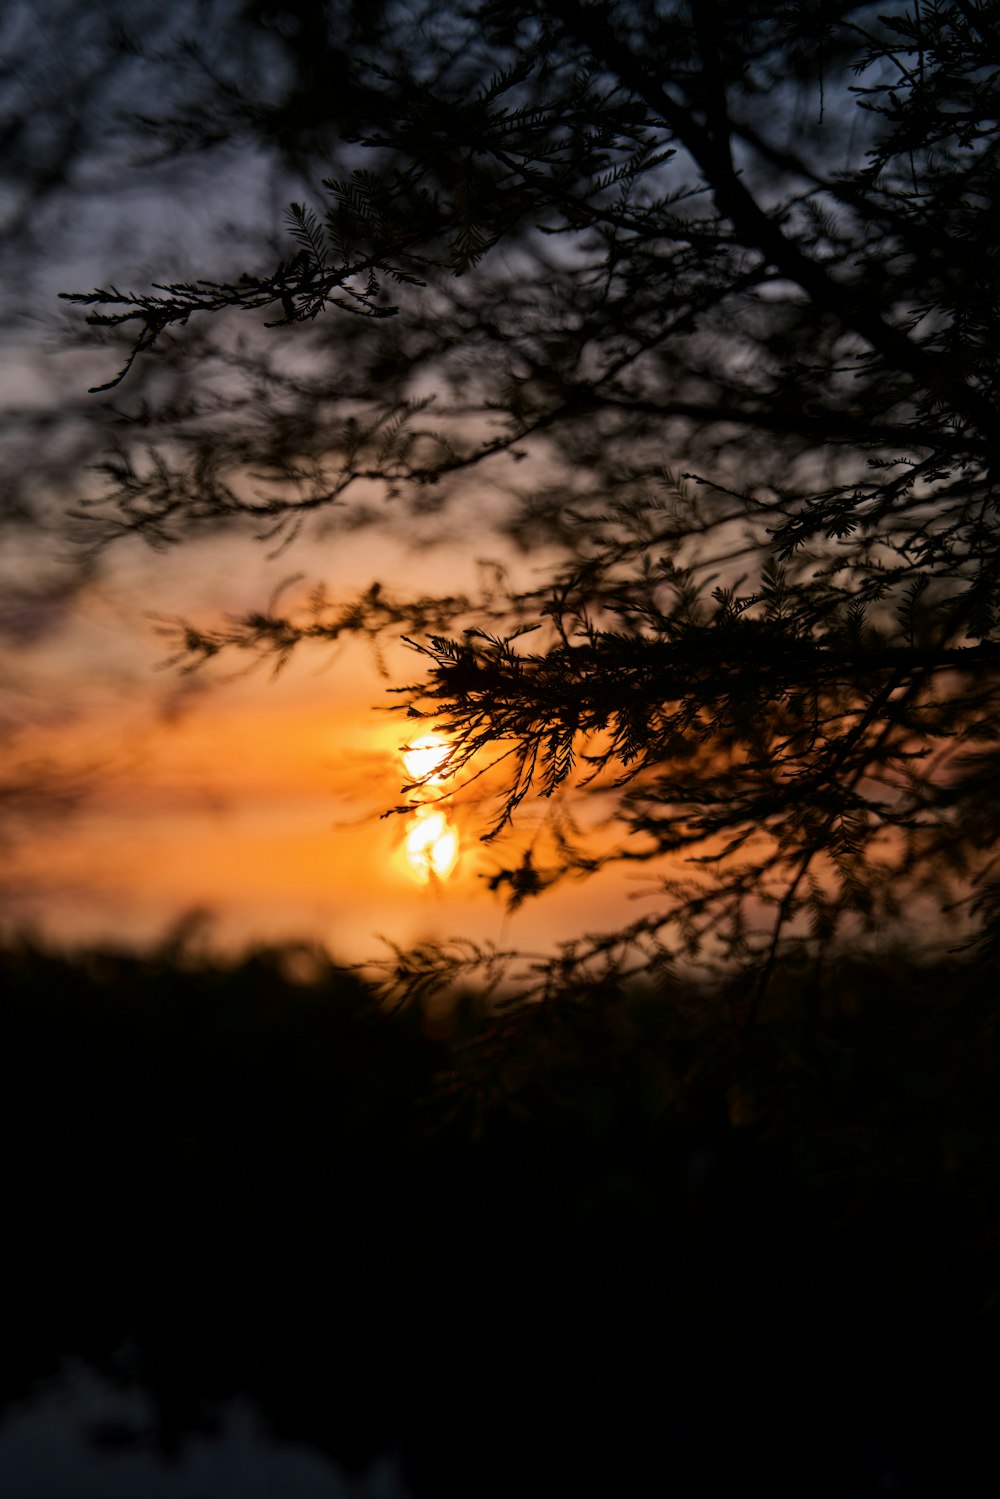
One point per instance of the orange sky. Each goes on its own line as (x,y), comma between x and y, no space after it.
(254,798)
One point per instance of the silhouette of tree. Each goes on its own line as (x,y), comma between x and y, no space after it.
(708,293)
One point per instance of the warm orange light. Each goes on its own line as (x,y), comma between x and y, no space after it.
(431,845)
(424,758)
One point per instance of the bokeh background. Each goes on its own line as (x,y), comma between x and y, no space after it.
(135,796)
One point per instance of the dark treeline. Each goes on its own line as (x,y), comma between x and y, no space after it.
(603,1240)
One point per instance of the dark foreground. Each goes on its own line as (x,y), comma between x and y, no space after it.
(611,1252)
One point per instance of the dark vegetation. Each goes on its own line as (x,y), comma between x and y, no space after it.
(625,1251)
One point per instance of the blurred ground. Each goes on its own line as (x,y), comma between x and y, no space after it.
(602,1247)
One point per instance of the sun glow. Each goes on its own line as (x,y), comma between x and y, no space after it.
(431,843)
(424,758)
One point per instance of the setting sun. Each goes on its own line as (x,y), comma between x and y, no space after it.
(424,758)
(431,845)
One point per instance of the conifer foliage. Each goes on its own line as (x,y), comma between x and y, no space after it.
(713,288)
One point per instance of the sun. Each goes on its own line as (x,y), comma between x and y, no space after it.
(431,842)
(431,845)
(424,757)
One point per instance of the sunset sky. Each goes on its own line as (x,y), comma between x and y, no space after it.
(254,798)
